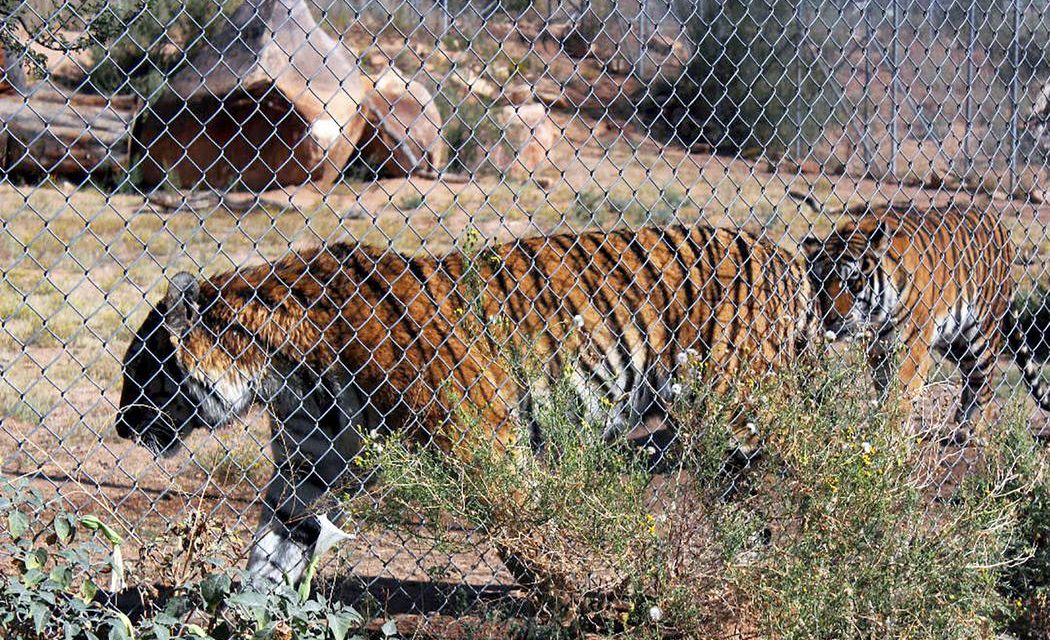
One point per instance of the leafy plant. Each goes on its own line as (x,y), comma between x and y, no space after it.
(830,528)
(152,39)
(588,209)
(469,129)
(24,27)
(411,202)
(59,560)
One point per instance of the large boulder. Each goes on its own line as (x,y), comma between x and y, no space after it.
(403,130)
(1039,120)
(527,135)
(272,102)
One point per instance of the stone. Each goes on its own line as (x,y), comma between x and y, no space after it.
(404,127)
(527,137)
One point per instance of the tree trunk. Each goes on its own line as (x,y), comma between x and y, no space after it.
(273,102)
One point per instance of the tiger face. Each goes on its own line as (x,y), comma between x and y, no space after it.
(162,399)
(846,270)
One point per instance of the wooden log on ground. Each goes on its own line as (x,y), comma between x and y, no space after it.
(273,102)
(48,133)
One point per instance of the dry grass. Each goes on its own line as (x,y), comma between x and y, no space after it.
(81,265)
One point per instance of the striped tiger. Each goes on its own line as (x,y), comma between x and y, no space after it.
(917,281)
(346,340)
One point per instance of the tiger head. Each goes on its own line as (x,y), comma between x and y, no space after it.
(848,275)
(176,376)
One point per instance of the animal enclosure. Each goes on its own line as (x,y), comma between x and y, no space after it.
(147,139)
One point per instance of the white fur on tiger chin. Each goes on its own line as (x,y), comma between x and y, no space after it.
(224,397)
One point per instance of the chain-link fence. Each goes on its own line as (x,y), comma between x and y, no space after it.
(263,259)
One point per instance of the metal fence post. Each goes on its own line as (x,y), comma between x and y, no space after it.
(800,25)
(866,95)
(1015,59)
(968,115)
(894,96)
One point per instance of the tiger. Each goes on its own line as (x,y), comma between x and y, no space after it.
(910,281)
(344,341)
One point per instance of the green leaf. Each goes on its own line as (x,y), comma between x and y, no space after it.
(266,632)
(88,590)
(341,623)
(248,600)
(253,604)
(196,631)
(389,628)
(214,589)
(160,632)
(33,577)
(36,559)
(40,613)
(17,524)
(64,528)
(121,628)
(62,576)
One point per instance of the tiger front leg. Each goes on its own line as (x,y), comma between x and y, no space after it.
(881,360)
(313,453)
(293,528)
(976,362)
(914,367)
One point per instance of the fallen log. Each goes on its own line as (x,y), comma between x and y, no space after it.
(272,102)
(48,133)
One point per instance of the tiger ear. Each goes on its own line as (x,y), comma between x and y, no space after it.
(181,305)
(811,247)
(879,239)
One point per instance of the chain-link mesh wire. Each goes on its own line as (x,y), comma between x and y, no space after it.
(146,139)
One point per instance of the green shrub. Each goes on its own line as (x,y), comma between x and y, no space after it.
(856,548)
(411,202)
(153,40)
(589,209)
(61,564)
(25,27)
(470,129)
(753,82)
(1025,584)
(580,498)
(830,532)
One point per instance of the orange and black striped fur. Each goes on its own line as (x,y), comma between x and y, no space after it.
(920,280)
(345,340)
